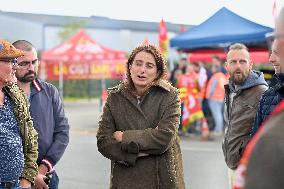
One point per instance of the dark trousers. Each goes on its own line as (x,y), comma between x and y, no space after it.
(54,181)
(181,115)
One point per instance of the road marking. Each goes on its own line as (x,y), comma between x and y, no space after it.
(88,131)
(200,149)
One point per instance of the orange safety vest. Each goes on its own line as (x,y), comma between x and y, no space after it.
(219,92)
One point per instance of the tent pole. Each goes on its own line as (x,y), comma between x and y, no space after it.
(103,88)
(61,79)
(103,83)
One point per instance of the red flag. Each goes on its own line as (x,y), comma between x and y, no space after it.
(146,41)
(182,28)
(163,39)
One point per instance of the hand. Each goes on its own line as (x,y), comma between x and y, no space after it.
(39,182)
(42,169)
(117,135)
(25,183)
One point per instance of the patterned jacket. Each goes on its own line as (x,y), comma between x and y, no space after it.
(27,131)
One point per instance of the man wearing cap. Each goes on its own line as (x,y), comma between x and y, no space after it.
(18,138)
(47,112)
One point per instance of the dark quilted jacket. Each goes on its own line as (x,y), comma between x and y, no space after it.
(269,100)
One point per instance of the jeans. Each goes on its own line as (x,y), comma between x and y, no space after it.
(54,181)
(18,187)
(216,108)
(52,185)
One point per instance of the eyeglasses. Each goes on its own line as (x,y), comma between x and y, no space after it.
(13,62)
(26,64)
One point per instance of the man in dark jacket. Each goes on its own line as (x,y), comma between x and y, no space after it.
(47,112)
(274,94)
(266,159)
(241,102)
(262,164)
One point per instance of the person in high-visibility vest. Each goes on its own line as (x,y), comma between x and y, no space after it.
(183,94)
(189,91)
(215,93)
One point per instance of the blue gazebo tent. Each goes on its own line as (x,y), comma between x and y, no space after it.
(220,30)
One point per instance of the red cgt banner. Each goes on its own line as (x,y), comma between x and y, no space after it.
(85,71)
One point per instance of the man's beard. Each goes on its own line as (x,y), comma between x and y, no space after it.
(28,77)
(240,79)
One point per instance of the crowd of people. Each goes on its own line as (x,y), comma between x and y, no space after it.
(138,129)
(202,93)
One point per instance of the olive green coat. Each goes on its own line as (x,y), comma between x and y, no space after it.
(28,133)
(149,127)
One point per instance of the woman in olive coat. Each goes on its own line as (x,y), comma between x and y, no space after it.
(138,127)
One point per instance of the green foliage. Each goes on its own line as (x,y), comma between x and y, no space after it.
(70,29)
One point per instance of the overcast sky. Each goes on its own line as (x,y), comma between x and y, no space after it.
(175,11)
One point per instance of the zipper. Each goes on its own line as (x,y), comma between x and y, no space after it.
(229,119)
(138,100)
(230,111)
(227,133)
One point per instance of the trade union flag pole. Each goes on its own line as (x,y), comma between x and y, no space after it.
(163,40)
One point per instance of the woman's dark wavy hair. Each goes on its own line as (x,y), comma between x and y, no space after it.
(161,65)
